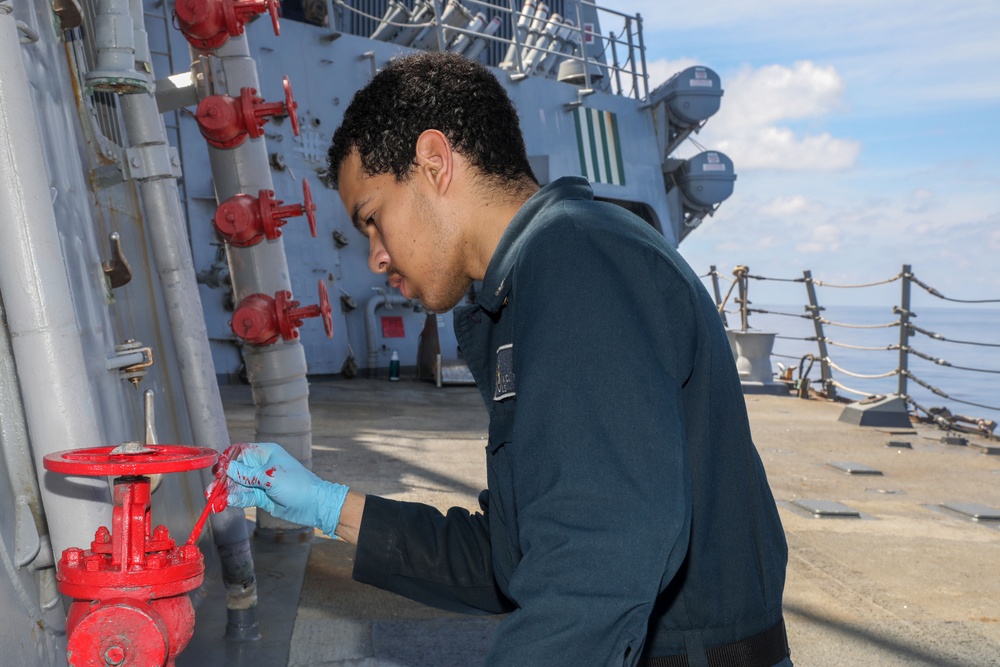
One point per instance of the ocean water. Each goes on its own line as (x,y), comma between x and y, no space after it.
(979,325)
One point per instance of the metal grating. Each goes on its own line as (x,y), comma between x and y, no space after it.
(101,107)
(826,508)
(852,468)
(901,444)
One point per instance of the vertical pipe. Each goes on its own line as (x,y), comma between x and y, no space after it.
(904,331)
(277,372)
(175,268)
(44,332)
(824,361)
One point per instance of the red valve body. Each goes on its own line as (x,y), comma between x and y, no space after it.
(208,24)
(260,319)
(130,588)
(227,121)
(245,221)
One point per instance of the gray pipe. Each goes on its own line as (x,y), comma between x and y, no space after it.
(175,267)
(277,373)
(45,335)
(370,308)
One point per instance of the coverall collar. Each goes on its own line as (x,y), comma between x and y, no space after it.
(496,283)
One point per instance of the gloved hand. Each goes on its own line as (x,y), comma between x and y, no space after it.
(266,476)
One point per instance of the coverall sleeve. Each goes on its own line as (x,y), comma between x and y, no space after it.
(439,560)
(602,346)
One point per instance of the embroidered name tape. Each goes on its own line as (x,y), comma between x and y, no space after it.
(504,385)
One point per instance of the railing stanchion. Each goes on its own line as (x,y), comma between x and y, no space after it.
(904,331)
(718,295)
(824,360)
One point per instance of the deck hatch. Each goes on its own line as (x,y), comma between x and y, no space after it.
(852,468)
(974,511)
(826,508)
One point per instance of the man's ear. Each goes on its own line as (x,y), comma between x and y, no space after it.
(435,160)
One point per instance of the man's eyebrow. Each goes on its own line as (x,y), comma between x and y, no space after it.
(358,224)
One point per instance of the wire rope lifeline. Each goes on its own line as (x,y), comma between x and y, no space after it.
(937,336)
(887,325)
(860,375)
(780,280)
(940,393)
(775,312)
(933,292)
(893,346)
(821,283)
(849,390)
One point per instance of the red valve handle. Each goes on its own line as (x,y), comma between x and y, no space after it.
(291,105)
(309,207)
(101,461)
(325,310)
(272,8)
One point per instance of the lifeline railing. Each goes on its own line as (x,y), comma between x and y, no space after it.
(907,330)
(536,42)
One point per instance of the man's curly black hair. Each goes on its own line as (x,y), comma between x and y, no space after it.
(439,91)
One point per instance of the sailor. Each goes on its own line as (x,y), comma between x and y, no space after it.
(628,519)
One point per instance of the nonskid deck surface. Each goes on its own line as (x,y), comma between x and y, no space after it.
(906,582)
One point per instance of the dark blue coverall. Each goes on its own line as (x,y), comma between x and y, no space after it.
(628,515)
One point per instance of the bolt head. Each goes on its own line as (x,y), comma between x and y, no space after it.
(114,655)
(72,556)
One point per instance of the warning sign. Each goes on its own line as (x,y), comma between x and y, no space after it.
(392,327)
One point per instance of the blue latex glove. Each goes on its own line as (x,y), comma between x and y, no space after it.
(266,476)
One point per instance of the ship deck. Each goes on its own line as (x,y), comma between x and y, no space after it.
(907,582)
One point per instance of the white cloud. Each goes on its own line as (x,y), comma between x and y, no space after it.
(785,206)
(749,127)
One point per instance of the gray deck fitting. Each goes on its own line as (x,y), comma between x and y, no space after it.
(954,440)
(988,450)
(826,508)
(974,511)
(901,444)
(852,468)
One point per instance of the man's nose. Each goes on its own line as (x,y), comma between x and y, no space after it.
(378,257)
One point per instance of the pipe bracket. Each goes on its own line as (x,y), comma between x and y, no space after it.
(152,161)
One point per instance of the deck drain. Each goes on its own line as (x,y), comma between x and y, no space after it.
(826,508)
(902,444)
(954,440)
(852,468)
(974,511)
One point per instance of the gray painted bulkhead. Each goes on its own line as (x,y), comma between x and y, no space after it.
(325,71)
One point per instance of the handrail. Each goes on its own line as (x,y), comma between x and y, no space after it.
(542,63)
(907,328)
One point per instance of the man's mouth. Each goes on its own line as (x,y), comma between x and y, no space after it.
(396,281)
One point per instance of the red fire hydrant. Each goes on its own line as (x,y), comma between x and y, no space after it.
(226,121)
(245,221)
(130,604)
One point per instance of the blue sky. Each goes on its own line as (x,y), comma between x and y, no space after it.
(865,136)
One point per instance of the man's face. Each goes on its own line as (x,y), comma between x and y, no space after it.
(409,238)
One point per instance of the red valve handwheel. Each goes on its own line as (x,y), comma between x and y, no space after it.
(100,461)
(272,8)
(308,207)
(325,311)
(291,105)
